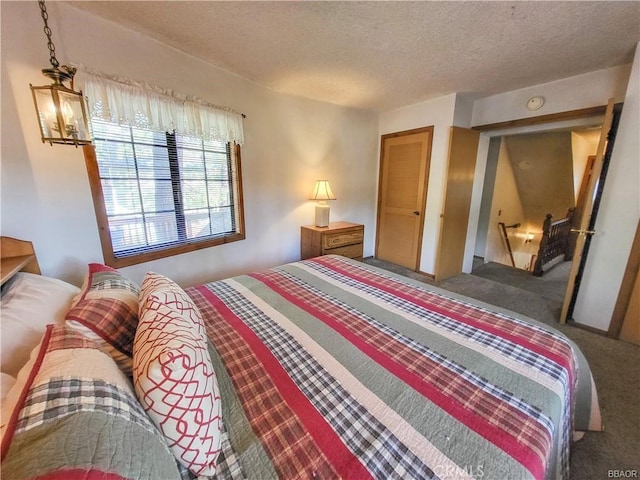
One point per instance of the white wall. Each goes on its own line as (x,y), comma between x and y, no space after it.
(617,218)
(506,207)
(620,207)
(482,195)
(619,210)
(582,91)
(290,142)
(440,114)
(583,145)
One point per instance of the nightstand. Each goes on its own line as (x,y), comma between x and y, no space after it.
(339,238)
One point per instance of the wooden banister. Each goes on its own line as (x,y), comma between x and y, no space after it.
(555,244)
(506,239)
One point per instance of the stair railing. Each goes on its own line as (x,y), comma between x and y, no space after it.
(504,227)
(555,243)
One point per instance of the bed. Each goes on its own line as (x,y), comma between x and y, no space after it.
(319,369)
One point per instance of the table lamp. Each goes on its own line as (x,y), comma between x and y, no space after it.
(321,193)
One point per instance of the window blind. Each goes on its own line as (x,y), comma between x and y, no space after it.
(162,189)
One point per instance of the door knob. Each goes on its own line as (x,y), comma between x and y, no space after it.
(416,212)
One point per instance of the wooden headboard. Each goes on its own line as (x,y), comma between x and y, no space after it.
(17,256)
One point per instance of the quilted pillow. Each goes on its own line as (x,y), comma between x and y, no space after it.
(106,310)
(73,414)
(173,375)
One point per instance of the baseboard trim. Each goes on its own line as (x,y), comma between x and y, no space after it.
(573,323)
(428,275)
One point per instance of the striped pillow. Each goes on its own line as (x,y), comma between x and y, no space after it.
(73,414)
(173,375)
(106,310)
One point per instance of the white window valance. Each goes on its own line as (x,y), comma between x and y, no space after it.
(128,102)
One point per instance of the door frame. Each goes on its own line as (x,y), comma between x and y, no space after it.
(402,133)
(456,206)
(549,119)
(545,119)
(626,288)
(584,241)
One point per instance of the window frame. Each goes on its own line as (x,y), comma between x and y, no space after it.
(109,256)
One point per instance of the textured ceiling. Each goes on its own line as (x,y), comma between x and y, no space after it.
(382,55)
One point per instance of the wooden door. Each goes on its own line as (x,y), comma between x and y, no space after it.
(625,321)
(578,212)
(584,187)
(402,191)
(587,211)
(631,325)
(463,150)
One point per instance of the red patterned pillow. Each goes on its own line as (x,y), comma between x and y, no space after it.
(173,375)
(106,310)
(169,292)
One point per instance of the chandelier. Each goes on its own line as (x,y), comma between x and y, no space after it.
(60,109)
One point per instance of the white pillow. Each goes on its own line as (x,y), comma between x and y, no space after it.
(29,303)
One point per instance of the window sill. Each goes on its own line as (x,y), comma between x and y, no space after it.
(126,261)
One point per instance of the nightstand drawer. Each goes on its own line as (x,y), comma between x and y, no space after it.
(334,240)
(339,238)
(351,251)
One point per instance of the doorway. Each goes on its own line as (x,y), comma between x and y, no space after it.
(528,172)
(530,176)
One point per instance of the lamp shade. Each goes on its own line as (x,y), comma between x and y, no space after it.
(322,191)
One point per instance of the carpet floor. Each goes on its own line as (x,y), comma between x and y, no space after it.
(615,364)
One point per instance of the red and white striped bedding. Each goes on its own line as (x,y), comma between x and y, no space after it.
(329,368)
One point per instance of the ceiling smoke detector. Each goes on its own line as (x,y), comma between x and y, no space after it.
(535,103)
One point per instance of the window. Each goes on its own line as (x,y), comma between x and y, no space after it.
(158,194)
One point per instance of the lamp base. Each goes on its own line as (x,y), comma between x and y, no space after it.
(322,215)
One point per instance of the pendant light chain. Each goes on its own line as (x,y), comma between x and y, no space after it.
(47,32)
(62,117)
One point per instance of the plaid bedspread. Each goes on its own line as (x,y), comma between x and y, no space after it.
(330,368)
